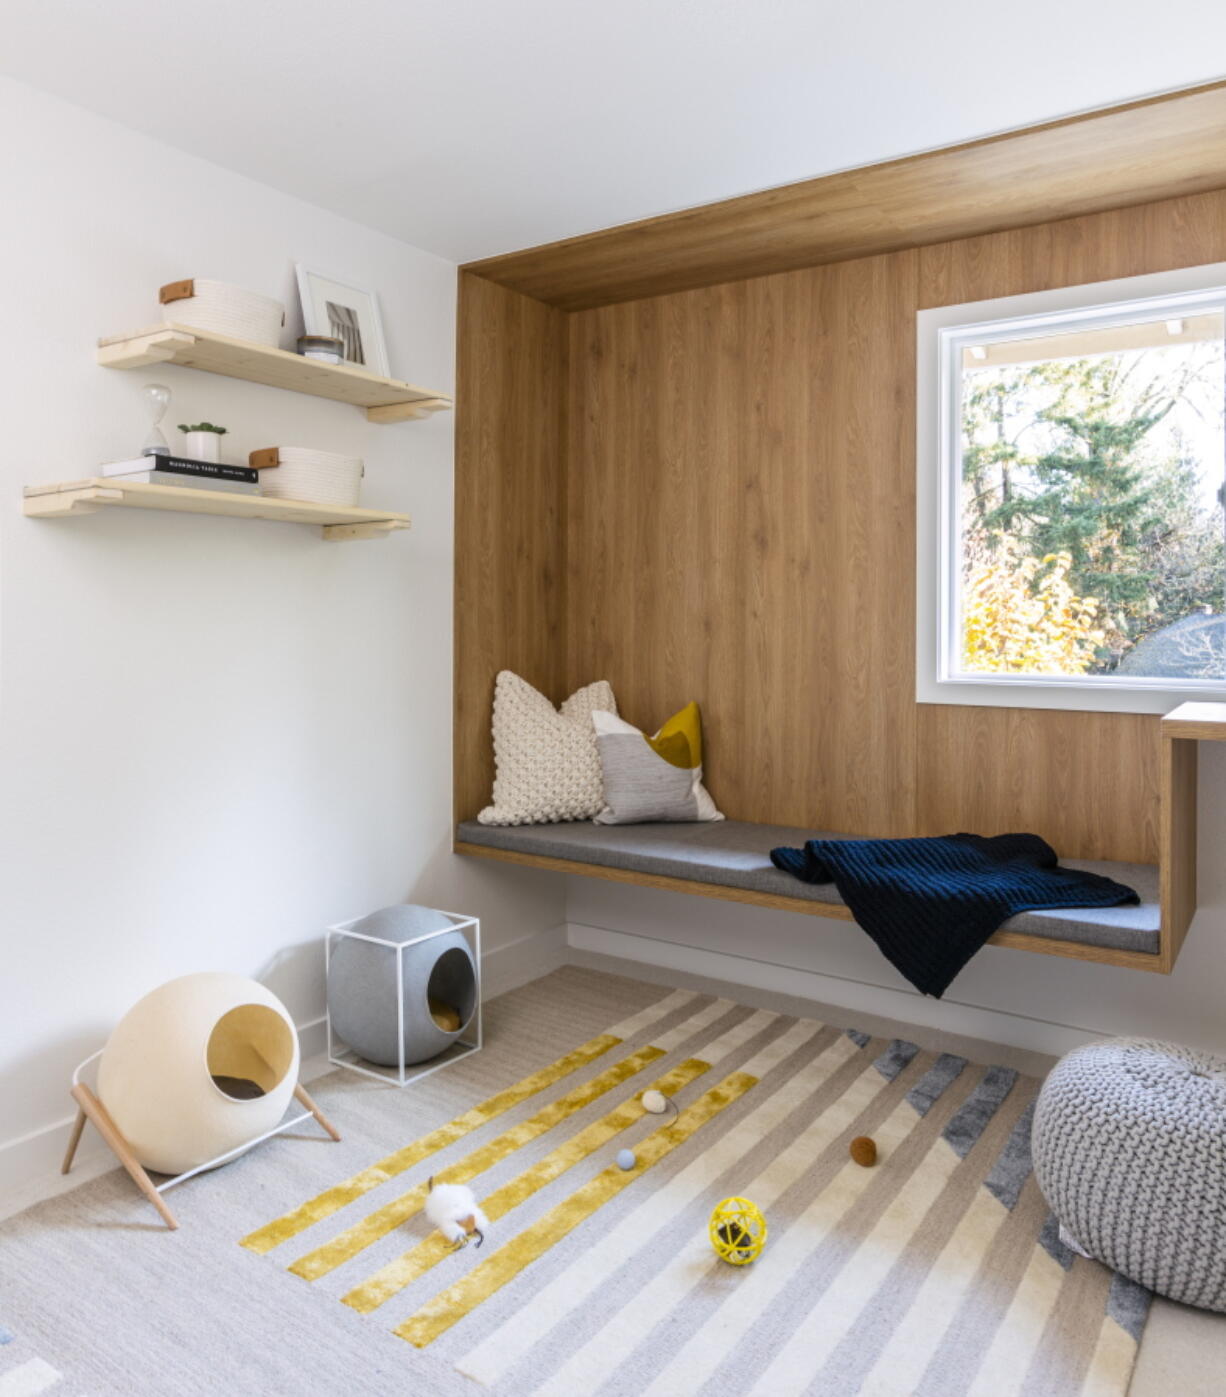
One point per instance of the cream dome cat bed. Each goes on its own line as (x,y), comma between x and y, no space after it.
(198,1068)
(196,1072)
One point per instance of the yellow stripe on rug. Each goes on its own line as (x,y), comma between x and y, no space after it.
(264,1239)
(281,1229)
(406,1268)
(346,1245)
(451,1305)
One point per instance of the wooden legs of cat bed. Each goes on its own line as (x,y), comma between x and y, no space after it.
(305,1100)
(90,1108)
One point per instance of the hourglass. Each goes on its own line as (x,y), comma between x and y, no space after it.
(156,398)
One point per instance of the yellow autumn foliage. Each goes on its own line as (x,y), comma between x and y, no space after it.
(1021,616)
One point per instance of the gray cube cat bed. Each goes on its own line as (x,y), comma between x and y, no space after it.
(1130,1152)
(439,985)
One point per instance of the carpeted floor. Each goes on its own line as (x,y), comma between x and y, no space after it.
(309,1267)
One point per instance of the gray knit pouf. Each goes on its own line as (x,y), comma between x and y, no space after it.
(1130,1152)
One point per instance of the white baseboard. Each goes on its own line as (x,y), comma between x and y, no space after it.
(858,997)
(507,967)
(30,1164)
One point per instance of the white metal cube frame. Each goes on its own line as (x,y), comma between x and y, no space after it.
(341,1055)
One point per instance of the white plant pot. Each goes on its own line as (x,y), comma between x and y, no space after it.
(203,446)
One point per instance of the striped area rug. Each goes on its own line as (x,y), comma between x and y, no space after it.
(937,1272)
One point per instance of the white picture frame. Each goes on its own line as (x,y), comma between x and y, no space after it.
(359,325)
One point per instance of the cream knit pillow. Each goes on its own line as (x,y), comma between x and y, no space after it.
(547,766)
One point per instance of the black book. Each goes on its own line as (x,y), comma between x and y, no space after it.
(181,465)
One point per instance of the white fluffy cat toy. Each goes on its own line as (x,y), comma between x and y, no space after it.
(453,1209)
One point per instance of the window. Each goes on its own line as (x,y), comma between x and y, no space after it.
(1081,469)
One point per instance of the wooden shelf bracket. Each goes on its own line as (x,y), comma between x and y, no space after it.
(87,499)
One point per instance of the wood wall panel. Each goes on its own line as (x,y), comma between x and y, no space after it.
(509,503)
(733,489)
(734,522)
(1087,782)
(1187,232)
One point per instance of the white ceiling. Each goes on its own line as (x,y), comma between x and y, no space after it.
(471,127)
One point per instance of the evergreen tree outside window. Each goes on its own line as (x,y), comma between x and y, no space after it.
(1084,461)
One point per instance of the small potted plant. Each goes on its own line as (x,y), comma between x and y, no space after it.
(203,441)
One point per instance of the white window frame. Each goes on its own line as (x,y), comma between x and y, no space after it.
(941,332)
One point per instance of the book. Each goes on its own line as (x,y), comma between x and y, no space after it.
(186,482)
(183,465)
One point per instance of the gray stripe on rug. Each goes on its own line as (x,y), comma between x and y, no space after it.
(1012,1169)
(926,1092)
(1128,1304)
(1049,1240)
(896,1056)
(968,1125)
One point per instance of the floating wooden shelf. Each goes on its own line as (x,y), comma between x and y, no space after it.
(385,399)
(337,522)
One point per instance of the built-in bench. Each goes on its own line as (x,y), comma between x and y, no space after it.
(731,859)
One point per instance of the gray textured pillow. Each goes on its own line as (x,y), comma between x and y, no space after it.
(652,778)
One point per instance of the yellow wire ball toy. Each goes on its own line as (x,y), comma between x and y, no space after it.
(737,1230)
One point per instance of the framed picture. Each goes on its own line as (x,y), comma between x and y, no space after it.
(345,312)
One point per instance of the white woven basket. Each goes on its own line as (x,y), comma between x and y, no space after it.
(323,477)
(228,310)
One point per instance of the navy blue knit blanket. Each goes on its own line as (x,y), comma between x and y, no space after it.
(930,904)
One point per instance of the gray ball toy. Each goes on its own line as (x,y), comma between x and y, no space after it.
(440,986)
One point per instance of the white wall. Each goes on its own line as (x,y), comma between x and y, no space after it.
(1044,1003)
(216,736)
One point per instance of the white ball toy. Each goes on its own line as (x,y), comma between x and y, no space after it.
(655,1102)
(199,1067)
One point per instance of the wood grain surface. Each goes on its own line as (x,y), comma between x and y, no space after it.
(741,506)
(509,505)
(1138,153)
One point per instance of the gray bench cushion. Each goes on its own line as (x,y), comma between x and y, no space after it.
(736,854)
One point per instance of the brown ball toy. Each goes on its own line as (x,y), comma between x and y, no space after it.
(864,1151)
